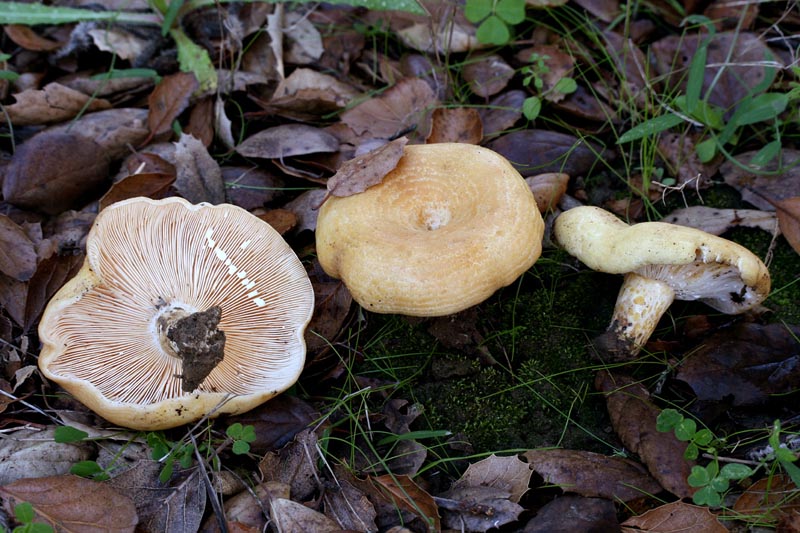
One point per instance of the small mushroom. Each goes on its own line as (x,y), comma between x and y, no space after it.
(661,262)
(445,229)
(180,311)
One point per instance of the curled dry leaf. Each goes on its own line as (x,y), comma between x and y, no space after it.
(306,208)
(456,125)
(53,103)
(770,498)
(307,94)
(538,151)
(288,140)
(592,474)
(251,187)
(633,417)
(782,179)
(362,172)
(152,179)
(487,75)
(17,251)
(27,453)
(745,365)
(574,513)
(676,516)
(199,177)
(294,465)
(116,40)
(402,108)
(509,474)
(168,100)
(502,112)
(25,37)
(718,221)
(403,492)
(282,220)
(288,515)
(72,503)
(349,507)
(548,189)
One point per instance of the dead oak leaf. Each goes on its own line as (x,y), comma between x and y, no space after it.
(457,124)
(509,474)
(402,108)
(675,516)
(288,140)
(17,251)
(53,103)
(360,173)
(788,211)
(168,100)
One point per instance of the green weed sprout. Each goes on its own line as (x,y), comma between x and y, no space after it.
(711,481)
(494,16)
(533,77)
(242,437)
(24,514)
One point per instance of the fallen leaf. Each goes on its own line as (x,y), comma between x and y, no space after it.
(17,251)
(457,125)
(672,517)
(199,177)
(291,516)
(72,503)
(282,220)
(276,422)
(679,153)
(288,140)
(303,40)
(633,417)
(403,108)
(477,508)
(587,105)
(502,112)
(744,365)
(29,453)
(770,499)
(53,103)
(294,464)
(574,513)
(25,37)
(548,189)
(788,211)
(251,187)
(116,40)
(780,179)
(362,172)
(168,100)
(152,179)
(718,221)
(307,94)
(403,492)
(349,507)
(633,67)
(487,75)
(306,206)
(592,474)
(539,151)
(509,474)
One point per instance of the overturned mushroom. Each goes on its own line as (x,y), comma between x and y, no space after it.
(180,311)
(661,262)
(450,225)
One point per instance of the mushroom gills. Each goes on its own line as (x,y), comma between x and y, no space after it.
(194,338)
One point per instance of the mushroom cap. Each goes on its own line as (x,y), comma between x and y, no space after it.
(146,257)
(696,264)
(445,229)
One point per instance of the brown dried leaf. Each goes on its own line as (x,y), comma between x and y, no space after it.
(168,100)
(678,151)
(292,516)
(456,125)
(788,211)
(277,422)
(332,303)
(539,151)
(51,104)
(633,417)
(402,108)
(509,474)
(25,37)
(51,274)
(574,513)
(605,10)
(54,171)
(632,65)
(745,365)
(718,221)
(593,474)
(585,105)
(362,172)
(349,507)
(404,493)
(120,42)
(781,180)
(548,189)
(294,464)
(288,140)
(502,112)
(202,119)
(17,251)
(199,177)
(675,516)
(152,179)
(477,508)
(72,503)
(487,75)
(28,453)
(251,187)
(306,208)
(282,220)
(770,498)
(113,130)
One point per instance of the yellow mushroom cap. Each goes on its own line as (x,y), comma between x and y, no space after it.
(144,258)
(450,225)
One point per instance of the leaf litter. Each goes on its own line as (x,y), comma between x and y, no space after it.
(311,108)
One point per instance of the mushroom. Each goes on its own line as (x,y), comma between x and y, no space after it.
(661,262)
(179,311)
(445,229)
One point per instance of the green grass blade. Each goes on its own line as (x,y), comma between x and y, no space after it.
(694,83)
(32,14)
(653,126)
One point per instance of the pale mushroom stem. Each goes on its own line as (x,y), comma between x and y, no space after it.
(640,305)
